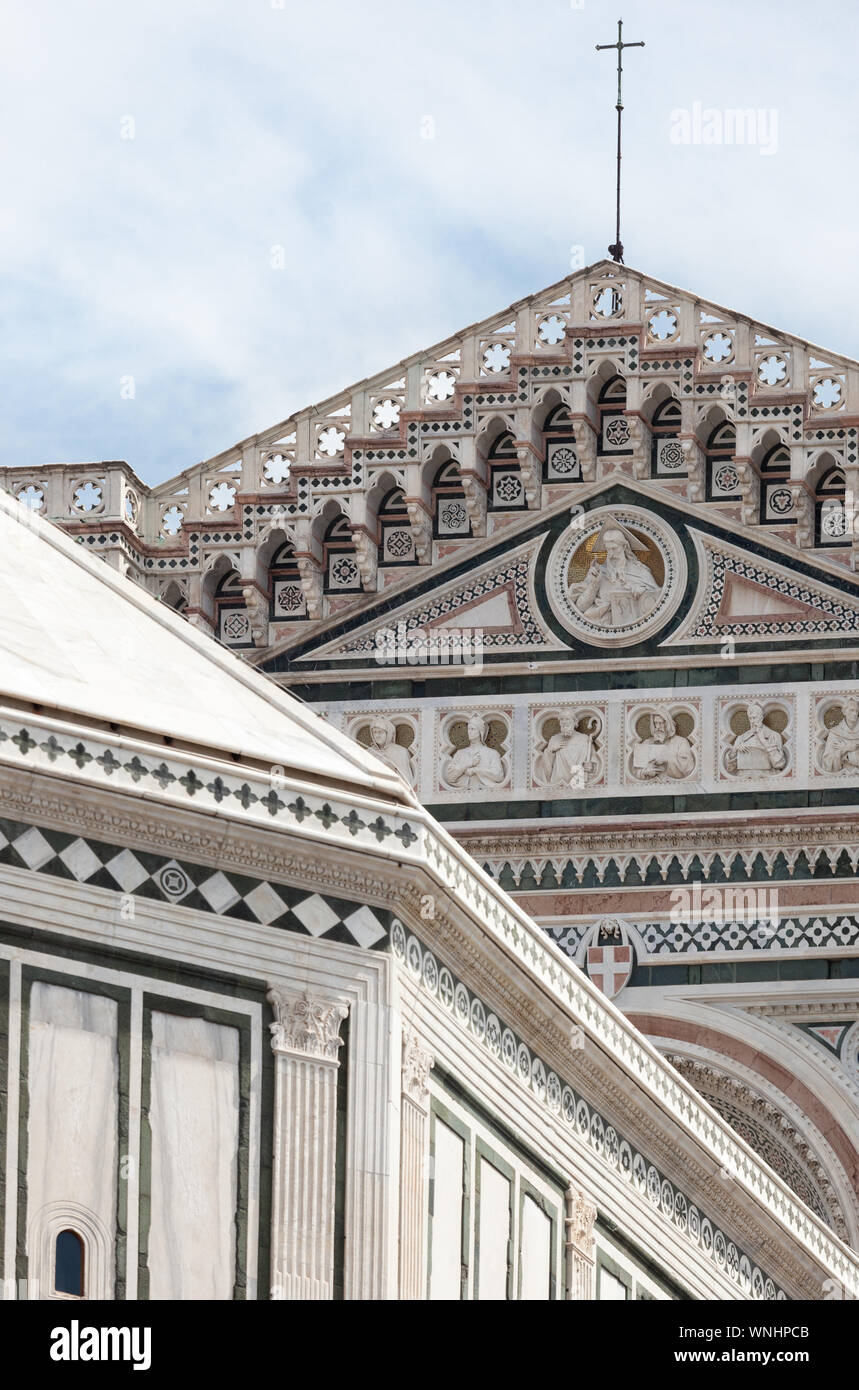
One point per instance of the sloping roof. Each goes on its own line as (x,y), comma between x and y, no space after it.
(81,640)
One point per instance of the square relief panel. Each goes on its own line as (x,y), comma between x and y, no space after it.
(756,737)
(392,736)
(562,461)
(661,741)
(473,751)
(835,734)
(288,600)
(567,747)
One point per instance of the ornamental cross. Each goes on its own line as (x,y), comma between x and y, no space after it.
(616,251)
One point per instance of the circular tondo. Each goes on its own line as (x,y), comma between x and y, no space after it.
(615,576)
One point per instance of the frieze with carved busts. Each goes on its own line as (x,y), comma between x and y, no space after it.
(475,751)
(569,747)
(393,738)
(756,737)
(662,741)
(616,575)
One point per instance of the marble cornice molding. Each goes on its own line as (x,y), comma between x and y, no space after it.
(808,1009)
(711,1190)
(585,841)
(780,1123)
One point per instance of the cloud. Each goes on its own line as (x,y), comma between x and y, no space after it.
(256,127)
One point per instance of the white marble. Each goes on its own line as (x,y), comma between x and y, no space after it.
(446,1214)
(72,1125)
(536,1251)
(194,1117)
(494,1219)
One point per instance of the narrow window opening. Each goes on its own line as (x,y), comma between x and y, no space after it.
(69,1264)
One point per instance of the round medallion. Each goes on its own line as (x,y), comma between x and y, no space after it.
(616,576)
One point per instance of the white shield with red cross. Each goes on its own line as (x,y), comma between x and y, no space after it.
(609,967)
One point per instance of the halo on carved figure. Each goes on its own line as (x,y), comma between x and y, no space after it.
(756,738)
(663,743)
(474,754)
(392,738)
(836,735)
(568,748)
(616,576)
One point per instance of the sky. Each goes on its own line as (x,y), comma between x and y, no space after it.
(216,212)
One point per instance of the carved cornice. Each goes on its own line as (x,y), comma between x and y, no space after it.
(306,1025)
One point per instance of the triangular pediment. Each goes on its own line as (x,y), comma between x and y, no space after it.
(724,583)
(748,594)
(747,601)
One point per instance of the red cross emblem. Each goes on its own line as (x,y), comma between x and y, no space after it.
(609,967)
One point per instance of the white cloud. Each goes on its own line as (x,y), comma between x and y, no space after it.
(301,127)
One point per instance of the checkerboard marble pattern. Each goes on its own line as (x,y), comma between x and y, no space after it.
(198,886)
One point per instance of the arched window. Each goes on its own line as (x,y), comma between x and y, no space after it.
(723,479)
(232,624)
(396,542)
(614,426)
(342,575)
(561,458)
(69,1264)
(286,596)
(777,503)
(173,596)
(506,490)
(832,526)
(667,458)
(449,509)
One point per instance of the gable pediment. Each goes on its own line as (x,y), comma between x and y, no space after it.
(750,596)
(543,591)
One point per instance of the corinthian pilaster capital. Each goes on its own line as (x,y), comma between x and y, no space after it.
(581,1215)
(417,1065)
(306,1025)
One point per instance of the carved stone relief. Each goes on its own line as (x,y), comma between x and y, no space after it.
(662,740)
(393,738)
(568,747)
(756,738)
(475,751)
(836,735)
(616,575)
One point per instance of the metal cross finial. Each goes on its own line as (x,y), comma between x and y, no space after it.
(616,251)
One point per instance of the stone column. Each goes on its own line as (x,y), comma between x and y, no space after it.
(305,1042)
(579,1248)
(414,1167)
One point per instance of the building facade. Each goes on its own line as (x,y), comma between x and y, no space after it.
(581,581)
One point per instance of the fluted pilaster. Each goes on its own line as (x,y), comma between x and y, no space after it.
(305,1040)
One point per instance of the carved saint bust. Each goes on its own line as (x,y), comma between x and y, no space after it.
(841,745)
(383,742)
(567,758)
(665,753)
(759,748)
(476,765)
